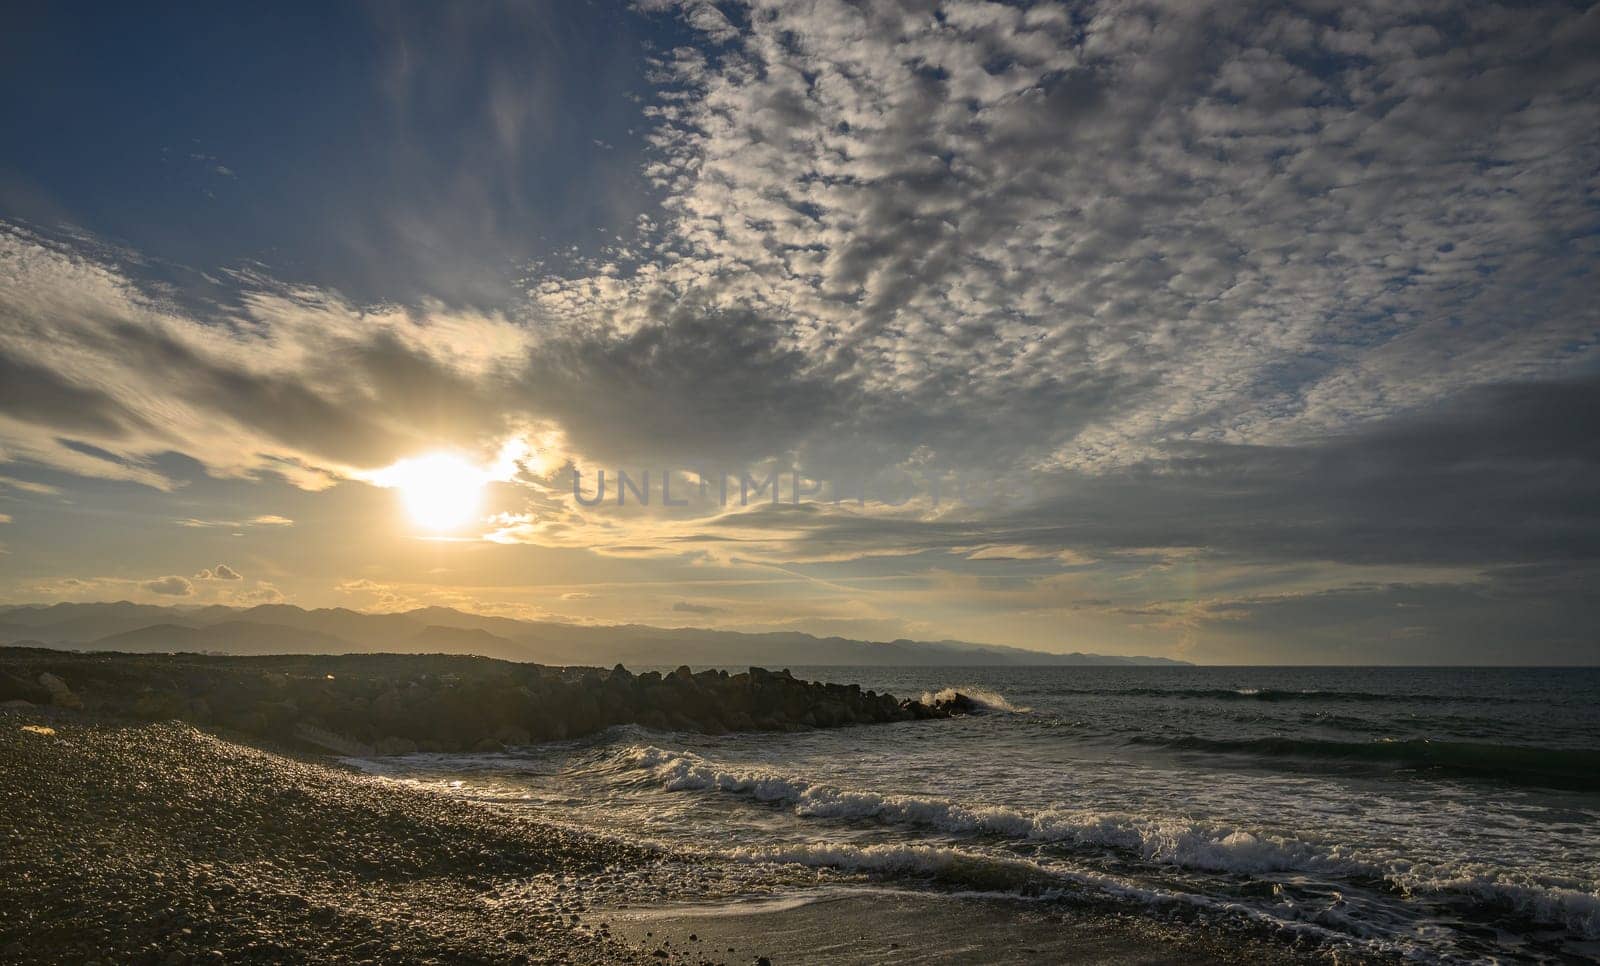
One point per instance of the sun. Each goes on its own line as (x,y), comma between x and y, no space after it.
(441,491)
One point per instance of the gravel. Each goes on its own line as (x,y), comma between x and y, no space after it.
(159,843)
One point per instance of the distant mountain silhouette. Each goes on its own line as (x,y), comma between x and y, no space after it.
(286,629)
(232,637)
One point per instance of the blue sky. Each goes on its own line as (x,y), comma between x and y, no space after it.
(393,152)
(1277,319)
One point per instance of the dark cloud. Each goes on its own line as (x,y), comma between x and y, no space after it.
(1473,622)
(37,394)
(698,384)
(1496,475)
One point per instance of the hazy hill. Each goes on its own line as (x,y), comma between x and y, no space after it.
(284,628)
(232,637)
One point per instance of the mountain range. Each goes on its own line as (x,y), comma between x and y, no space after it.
(287,629)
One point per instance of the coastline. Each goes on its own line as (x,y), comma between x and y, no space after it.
(161,843)
(865,927)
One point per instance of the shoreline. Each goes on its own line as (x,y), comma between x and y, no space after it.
(161,843)
(865,926)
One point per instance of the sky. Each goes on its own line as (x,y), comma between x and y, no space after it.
(1233,332)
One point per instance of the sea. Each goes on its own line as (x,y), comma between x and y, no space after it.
(1428,814)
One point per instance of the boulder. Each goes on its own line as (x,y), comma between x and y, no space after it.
(60,695)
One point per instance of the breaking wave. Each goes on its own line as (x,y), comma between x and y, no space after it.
(988,700)
(1178,843)
(1170,842)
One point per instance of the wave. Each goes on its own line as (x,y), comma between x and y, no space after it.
(1565,768)
(1572,908)
(986,874)
(1279,694)
(983,698)
(1179,843)
(1161,841)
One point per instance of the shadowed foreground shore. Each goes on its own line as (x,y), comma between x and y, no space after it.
(162,844)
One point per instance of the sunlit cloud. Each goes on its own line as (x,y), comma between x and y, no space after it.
(1256,312)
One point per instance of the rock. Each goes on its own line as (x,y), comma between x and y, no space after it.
(396,746)
(60,695)
(14,688)
(329,741)
(391,704)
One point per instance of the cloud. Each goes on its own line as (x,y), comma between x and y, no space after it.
(685,607)
(975,238)
(1225,285)
(1019,238)
(173,586)
(1468,622)
(266,520)
(291,382)
(262,593)
(30,486)
(219,572)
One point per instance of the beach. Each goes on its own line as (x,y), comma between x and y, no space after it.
(1074,816)
(160,843)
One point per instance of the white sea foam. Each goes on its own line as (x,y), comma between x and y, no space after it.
(987,874)
(1166,841)
(982,697)
(1574,909)
(1180,843)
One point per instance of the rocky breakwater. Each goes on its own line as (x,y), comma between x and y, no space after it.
(358,704)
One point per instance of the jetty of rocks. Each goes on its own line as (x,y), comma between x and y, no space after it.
(360,704)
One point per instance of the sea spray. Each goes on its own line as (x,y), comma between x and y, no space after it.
(981,697)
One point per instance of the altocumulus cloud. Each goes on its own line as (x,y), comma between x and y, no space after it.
(982,235)
(1265,284)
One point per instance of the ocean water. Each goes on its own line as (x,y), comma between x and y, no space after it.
(1432,814)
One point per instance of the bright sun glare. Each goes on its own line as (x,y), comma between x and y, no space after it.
(441,491)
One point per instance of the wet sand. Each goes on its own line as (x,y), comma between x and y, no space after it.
(862,927)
